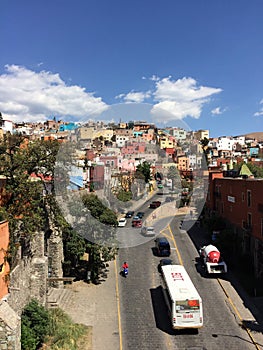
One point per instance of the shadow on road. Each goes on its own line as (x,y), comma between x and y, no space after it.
(160,311)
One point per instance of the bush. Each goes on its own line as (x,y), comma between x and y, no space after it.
(124,196)
(63,333)
(34,326)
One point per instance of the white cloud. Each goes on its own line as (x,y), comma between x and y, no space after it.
(26,95)
(134,97)
(154,78)
(218,110)
(180,98)
(260,112)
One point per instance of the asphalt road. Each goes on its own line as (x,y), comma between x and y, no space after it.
(145,324)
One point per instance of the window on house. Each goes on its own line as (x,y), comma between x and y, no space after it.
(249,198)
(249,219)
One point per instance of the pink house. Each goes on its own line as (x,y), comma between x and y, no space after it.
(128,165)
(133,148)
(111,161)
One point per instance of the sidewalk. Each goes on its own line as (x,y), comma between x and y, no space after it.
(249,312)
(96,306)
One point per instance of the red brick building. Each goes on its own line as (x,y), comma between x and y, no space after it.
(240,202)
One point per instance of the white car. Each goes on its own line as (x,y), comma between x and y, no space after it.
(122,222)
(148,231)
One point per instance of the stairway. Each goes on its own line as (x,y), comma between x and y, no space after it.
(59,297)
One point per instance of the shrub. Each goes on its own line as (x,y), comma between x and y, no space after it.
(34,326)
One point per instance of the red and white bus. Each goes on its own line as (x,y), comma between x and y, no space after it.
(183,301)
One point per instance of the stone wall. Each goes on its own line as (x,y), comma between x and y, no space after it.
(29,280)
(56,257)
(10,328)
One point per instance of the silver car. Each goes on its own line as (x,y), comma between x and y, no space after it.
(148,231)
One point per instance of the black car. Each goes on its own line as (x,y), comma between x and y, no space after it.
(162,246)
(155,204)
(164,262)
(129,214)
(140,214)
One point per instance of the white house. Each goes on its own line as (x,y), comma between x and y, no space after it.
(225,143)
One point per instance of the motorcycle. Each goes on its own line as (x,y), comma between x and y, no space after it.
(125,272)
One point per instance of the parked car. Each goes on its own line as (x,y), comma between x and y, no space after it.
(129,214)
(162,246)
(140,214)
(155,204)
(148,231)
(137,223)
(164,262)
(122,222)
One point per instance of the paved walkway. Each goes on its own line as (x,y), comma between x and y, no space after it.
(96,306)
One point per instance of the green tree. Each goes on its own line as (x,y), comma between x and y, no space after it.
(74,246)
(145,170)
(256,170)
(204,142)
(124,196)
(100,232)
(173,175)
(130,124)
(98,210)
(22,199)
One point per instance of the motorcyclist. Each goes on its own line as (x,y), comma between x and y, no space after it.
(125,265)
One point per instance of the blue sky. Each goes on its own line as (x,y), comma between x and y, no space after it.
(192,61)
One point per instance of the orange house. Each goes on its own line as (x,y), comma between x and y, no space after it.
(4,266)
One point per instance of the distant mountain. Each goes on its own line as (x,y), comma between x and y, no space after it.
(255,135)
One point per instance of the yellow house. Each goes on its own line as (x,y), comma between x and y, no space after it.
(105,133)
(123,125)
(166,142)
(183,163)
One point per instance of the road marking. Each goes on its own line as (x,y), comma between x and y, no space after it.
(176,248)
(118,303)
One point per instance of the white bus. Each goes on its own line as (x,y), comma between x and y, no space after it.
(183,301)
